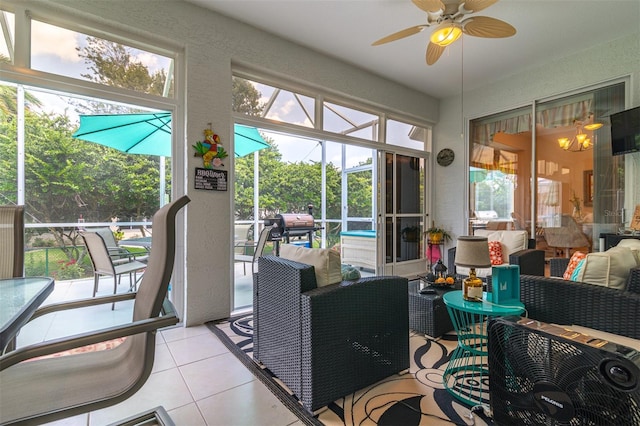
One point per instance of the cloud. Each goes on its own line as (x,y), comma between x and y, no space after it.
(50,40)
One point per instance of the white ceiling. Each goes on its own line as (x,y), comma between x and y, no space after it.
(345,29)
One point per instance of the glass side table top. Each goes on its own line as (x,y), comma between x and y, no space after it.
(455,300)
(19,298)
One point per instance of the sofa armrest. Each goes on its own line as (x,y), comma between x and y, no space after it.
(557,266)
(564,302)
(634,281)
(530,261)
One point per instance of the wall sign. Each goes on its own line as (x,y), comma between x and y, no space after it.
(210,179)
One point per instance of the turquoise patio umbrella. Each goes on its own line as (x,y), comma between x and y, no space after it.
(150,133)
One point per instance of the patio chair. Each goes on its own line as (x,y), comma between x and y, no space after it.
(11,241)
(258,248)
(37,388)
(118,254)
(103,264)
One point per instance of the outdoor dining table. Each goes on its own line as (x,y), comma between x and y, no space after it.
(19,299)
(144,242)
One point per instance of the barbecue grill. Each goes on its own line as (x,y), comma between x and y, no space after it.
(292,225)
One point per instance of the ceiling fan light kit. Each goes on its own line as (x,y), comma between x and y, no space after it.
(446,33)
(449,18)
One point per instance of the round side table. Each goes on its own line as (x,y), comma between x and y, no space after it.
(467,375)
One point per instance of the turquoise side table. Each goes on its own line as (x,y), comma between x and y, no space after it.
(467,374)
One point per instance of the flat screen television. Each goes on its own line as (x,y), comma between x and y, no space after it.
(625,131)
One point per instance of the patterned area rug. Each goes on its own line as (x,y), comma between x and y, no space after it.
(415,398)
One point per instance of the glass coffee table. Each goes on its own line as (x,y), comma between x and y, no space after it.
(467,374)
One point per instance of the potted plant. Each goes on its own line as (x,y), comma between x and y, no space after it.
(437,235)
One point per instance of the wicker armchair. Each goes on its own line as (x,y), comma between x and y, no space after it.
(559,301)
(327,342)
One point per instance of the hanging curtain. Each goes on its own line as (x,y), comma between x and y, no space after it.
(489,158)
(483,132)
(564,115)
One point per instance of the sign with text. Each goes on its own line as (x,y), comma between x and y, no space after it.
(211,180)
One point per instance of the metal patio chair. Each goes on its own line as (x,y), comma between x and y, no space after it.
(11,241)
(38,389)
(103,264)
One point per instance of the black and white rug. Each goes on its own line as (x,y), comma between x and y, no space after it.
(415,398)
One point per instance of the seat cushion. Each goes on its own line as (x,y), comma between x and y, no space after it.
(325,262)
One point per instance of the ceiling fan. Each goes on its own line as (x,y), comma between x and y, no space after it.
(449,18)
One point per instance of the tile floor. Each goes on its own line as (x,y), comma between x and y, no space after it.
(195,378)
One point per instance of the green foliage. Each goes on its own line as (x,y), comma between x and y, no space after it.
(69,270)
(113,64)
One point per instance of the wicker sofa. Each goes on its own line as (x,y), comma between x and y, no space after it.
(326,342)
(555,300)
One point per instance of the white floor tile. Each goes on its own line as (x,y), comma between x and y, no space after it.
(178,333)
(163,359)
(196,348)
(188,415)
(214,375)
(250,404)
(165,388)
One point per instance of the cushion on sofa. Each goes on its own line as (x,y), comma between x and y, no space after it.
(326,262)
(573,264)
(632,244)
(495,252)
(609,269)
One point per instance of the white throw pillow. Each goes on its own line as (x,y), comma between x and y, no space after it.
(609,268)
(326,262)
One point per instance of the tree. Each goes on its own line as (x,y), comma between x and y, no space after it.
(113,64)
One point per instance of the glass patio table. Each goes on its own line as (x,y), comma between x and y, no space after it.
(467,374)
(19,299)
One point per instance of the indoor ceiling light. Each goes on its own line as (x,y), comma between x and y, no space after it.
(446,33)
(592,126)
(580,141)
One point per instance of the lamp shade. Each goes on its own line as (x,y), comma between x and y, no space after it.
(473,252)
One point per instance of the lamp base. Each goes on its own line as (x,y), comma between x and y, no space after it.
(472,289)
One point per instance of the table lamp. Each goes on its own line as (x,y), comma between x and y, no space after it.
(472,252)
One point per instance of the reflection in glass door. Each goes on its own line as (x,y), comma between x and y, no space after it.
(404,214)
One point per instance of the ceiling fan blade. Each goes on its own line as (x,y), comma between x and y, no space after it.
(484,26)
(430,5)
(477,5)
(400,34)
(434,52)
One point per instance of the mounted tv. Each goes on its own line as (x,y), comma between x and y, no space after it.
(625,131)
